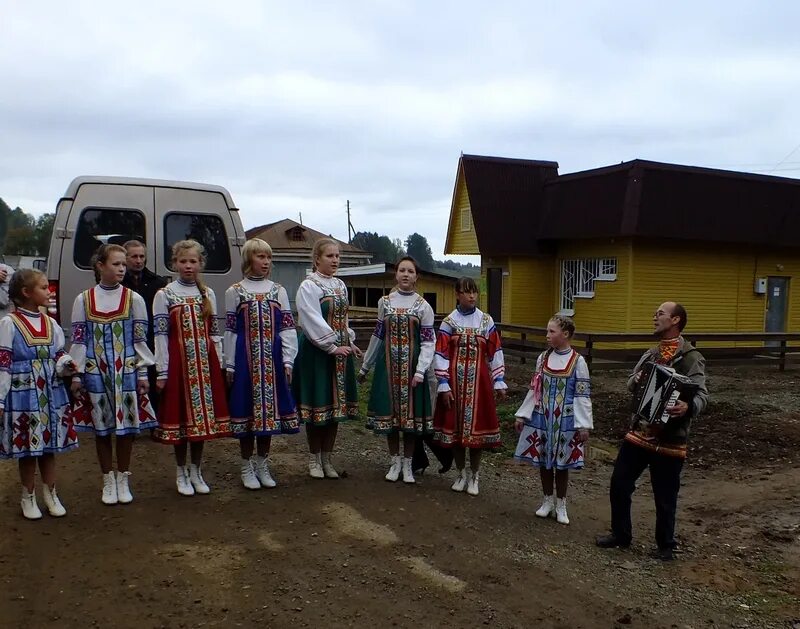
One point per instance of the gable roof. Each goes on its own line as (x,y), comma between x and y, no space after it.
(506,199)
(279,237)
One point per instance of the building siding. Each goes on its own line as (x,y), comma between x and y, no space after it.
(459,241)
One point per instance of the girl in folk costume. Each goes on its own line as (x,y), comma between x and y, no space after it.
(470,369)
(193,406)
(556,416)
(260,348)
(402,348)
(324,377)
(35,417)
(109,344)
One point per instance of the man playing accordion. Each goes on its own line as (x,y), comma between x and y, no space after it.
(661,446)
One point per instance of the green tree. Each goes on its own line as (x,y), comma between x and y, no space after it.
(44,231)
(382,248)
(418,248)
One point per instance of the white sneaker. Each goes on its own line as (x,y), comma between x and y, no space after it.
(197,481)
(182,481)
(394,471)
(561,511)
(315,466)
(51,501)
(327,466)
(124,494)
(472,486)
(408,473)
(109,496)
(29,507)
(548,506)
(262,472)
(461,481)
(249,479)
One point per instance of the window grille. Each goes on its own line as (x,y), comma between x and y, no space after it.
(578,277)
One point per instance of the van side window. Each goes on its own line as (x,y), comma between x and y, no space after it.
(99,226)
(207,229)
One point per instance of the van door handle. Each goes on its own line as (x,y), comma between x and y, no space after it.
(65,233)
(237,241)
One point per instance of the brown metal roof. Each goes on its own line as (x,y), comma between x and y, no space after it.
(506,198)
(279,235)
(519,206)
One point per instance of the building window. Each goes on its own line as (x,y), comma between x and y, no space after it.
(578,277)
(297,235)
(466,219)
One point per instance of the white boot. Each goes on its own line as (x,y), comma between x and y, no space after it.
(262,472)
(461,481)
(29,507)
(51,501)
(548,506)
(315,465)
(561,511)
(408,473)
(182,481)
(197,481)
(249,479)
(109,496)
(327,466)
(394,471)
(124,494)
(472,486)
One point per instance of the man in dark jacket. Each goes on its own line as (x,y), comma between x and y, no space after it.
(143,281)
(661,447)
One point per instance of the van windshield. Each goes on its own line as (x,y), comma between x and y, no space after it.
(207,229)
(104,226)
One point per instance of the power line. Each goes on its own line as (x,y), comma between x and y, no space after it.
(792,152)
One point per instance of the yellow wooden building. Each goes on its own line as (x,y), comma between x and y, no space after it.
(609,245)
(368,283)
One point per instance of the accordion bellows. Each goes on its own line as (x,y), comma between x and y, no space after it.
(659,388)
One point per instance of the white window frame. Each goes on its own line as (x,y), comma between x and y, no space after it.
(578,276)
(466,219)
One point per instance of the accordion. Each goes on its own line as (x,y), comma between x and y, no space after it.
(660,387)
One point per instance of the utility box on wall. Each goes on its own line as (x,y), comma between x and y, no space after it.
(760,286)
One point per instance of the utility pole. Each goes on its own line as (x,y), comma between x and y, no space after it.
(350,229)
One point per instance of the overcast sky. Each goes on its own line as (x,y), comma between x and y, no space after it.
(299,106)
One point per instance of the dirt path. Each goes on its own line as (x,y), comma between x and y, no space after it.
(363,552)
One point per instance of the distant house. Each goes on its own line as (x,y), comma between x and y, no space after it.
(608,245)
(292,244)
(367,284)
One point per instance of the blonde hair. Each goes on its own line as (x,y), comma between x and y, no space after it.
(250,249)
(567,324)
(319,247)
(24,278)
(188,245)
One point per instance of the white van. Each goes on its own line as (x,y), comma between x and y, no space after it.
(97,210)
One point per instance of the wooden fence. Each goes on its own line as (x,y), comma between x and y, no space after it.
(616,350)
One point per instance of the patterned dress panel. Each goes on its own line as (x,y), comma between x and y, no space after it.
(548,438)
(261,401)
(110,372)
(472,420)
(406,411)
(36,416)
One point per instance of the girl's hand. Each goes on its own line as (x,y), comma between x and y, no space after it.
(229,378)
(70,368)
(161,384)
(358,353)
(342,350)
(143,387)
(417,380)
(362,377)
(501,394)
(582,435)
(447,398)
(76,387)
(518,425)
(288,372)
